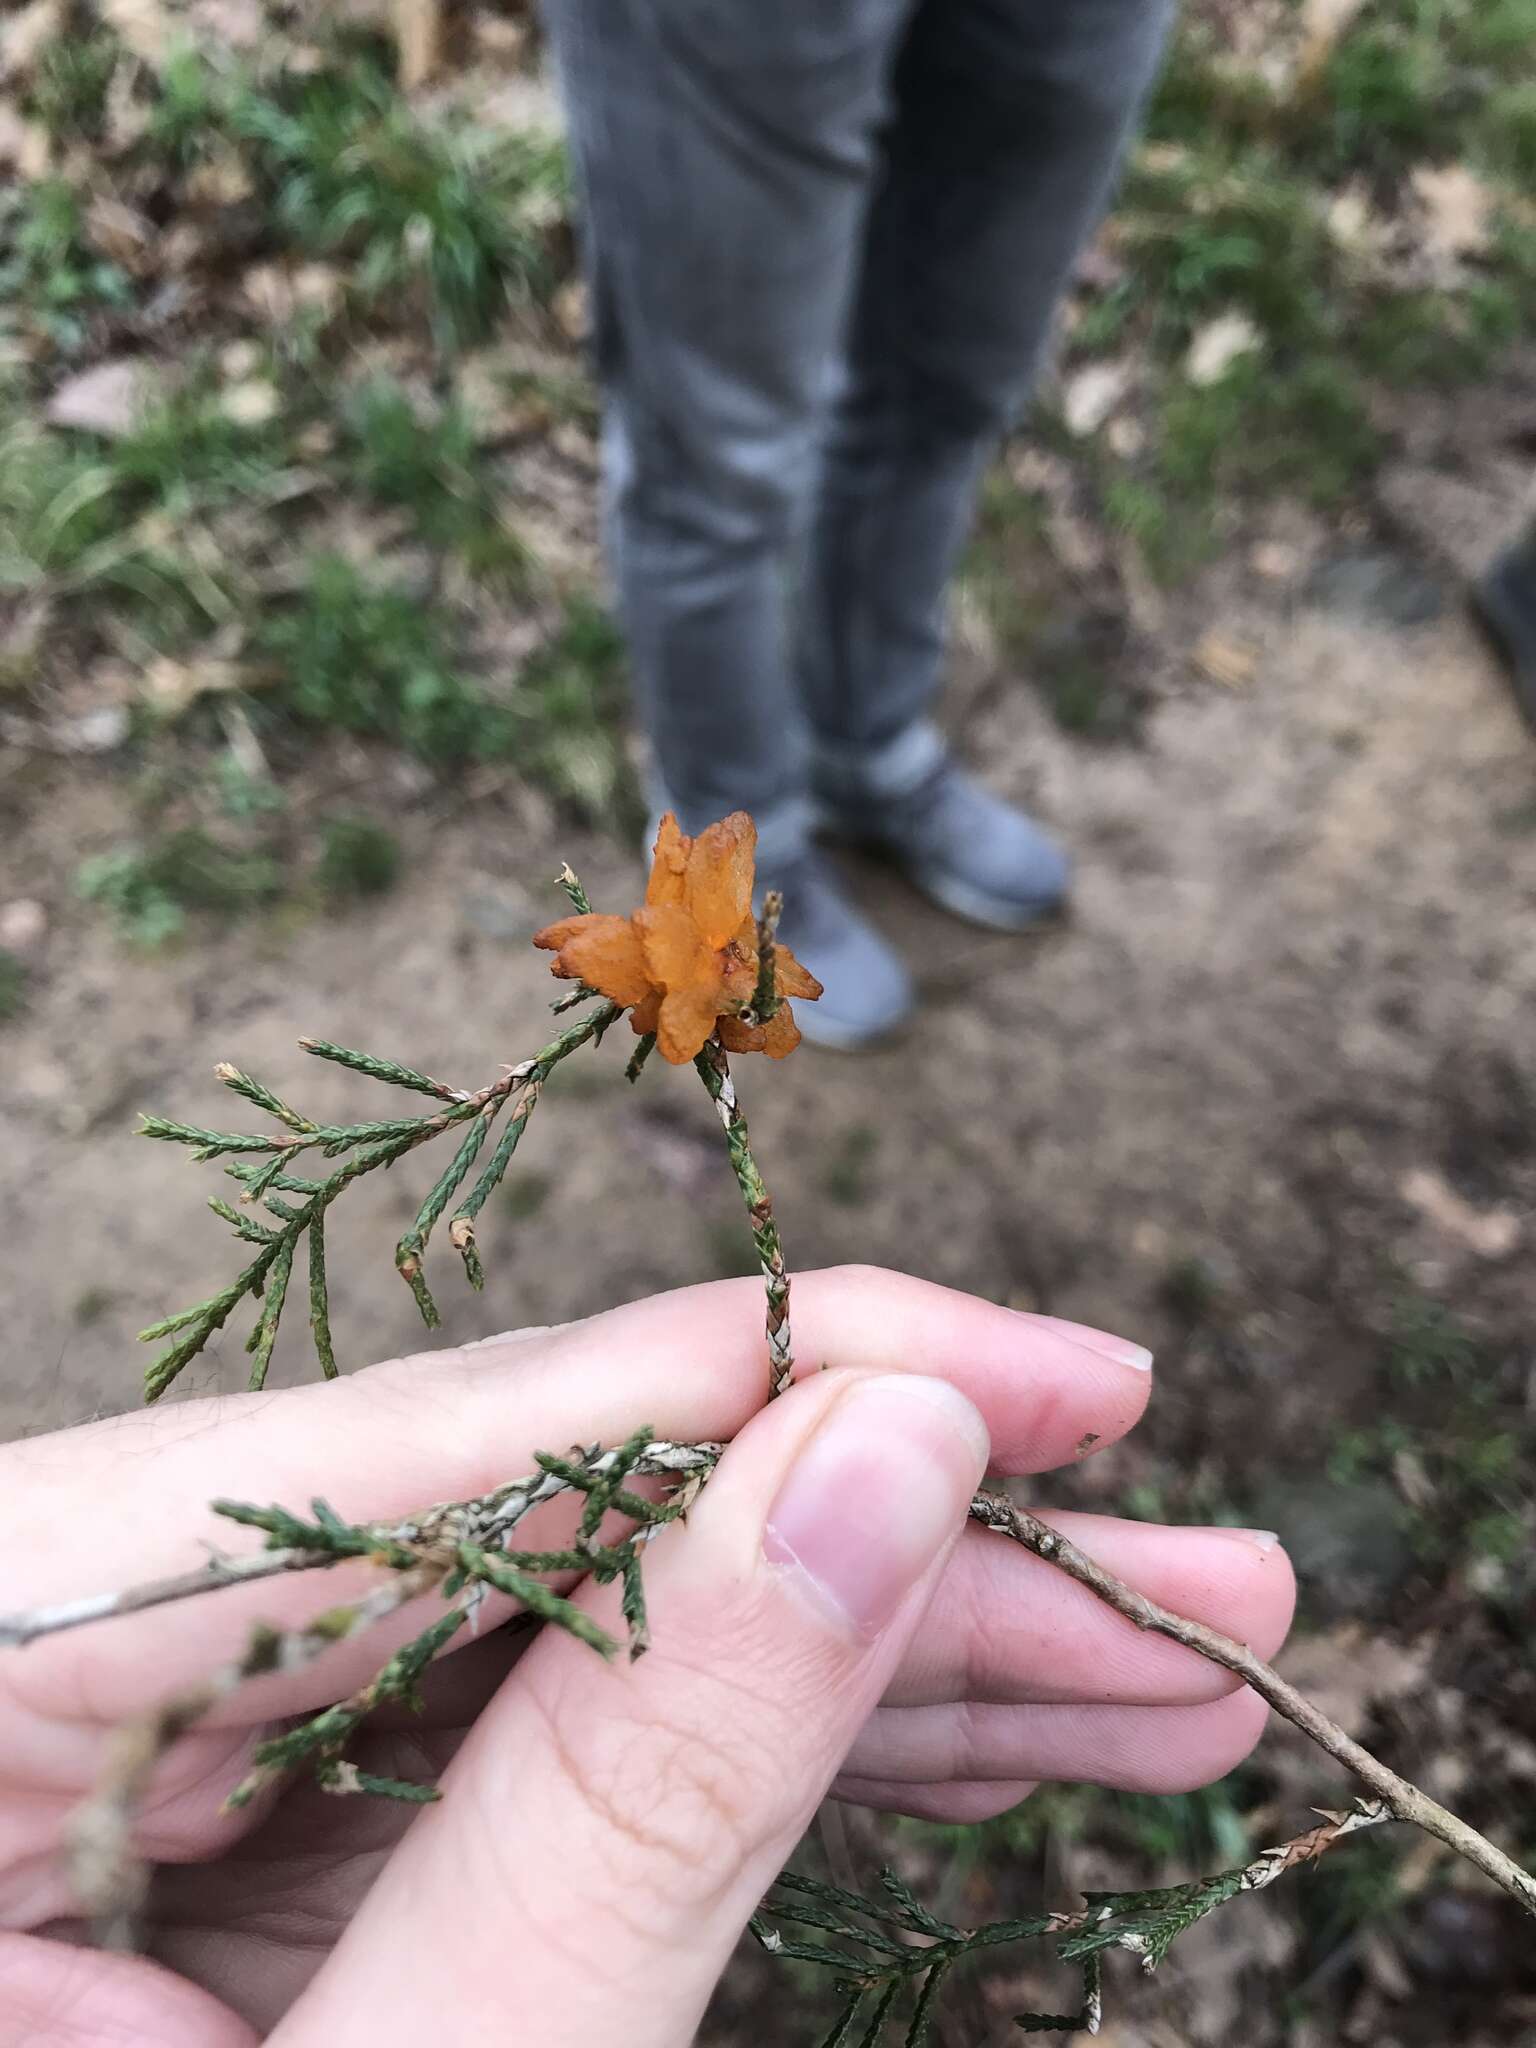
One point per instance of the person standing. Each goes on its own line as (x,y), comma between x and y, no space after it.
(824,241)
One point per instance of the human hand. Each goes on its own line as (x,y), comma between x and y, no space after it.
(824,1619)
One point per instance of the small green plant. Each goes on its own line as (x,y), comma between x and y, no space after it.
(68,88)
(48,266)
(190,114)
(372,659)
(457,217)
(567,704)
(1388,98)
(848,1174)
(1264,429)
(13,985)
(359,857)
(1455,1441)
(429,465)
(186,450)
(149,890)
(121,522)
(1214,231)
(1509,126)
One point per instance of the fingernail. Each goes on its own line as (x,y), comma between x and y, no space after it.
(1120,1349)
(875,1496)
(1261,1539)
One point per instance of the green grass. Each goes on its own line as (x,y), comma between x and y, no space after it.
(358,857)
(1265,430)
(1229,214)
(13,986)
(149,890)
(1453,1415)
(68,89)
(849,1172)
(120,522)
(451,216)
(354,655)
(156,888)
(567,708)
(430,466)
(1389,99)
(1227,228)
(523,1195)
(188,452)
(198,530)
(367,657)
(49,268)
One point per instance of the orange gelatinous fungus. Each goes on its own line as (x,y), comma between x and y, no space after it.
(686,963)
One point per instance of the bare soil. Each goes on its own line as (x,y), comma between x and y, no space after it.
(1277,1068)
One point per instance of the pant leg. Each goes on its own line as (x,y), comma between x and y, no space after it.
(724,150)
(1009,121)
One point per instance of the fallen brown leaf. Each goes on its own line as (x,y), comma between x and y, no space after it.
(1216,346)
(108,399)
(26,33)
(1457,210)
(145,26)
(122,233)
(1091,394)
(1228,661)
(1322,24)
(1490,1233)
(24,144)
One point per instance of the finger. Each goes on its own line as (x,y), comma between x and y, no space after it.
(956,1805)
(450,1424)
(1009,1628)
(1132,1749)
(74,1997)
(606,1830)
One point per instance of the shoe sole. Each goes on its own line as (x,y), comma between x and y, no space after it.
(977,906)
(1508,632)
(961,899)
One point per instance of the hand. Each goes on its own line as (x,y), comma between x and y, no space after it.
(824,1620)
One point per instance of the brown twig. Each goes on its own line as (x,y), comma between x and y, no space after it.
(18,1629)
(1404,1801)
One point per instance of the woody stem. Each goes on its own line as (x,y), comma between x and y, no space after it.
(765,997)
(715,1072)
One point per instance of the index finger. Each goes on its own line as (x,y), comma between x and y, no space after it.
(450,1424)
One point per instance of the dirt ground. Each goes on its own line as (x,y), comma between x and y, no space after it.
(1276,1069)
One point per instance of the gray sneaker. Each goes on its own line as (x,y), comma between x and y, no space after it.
(971,852)
(866,989)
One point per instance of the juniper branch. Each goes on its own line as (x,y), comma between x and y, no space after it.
(297,1545)
(766,1000)
(370,1146)
(456,1548)
(381,1070)
(19,1629)
(109,1878)
(1405,1801)
(889,1949)
(714,1069)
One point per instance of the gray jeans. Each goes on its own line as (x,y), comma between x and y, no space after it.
(825,238)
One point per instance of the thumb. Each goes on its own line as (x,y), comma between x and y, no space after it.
(607,1829)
